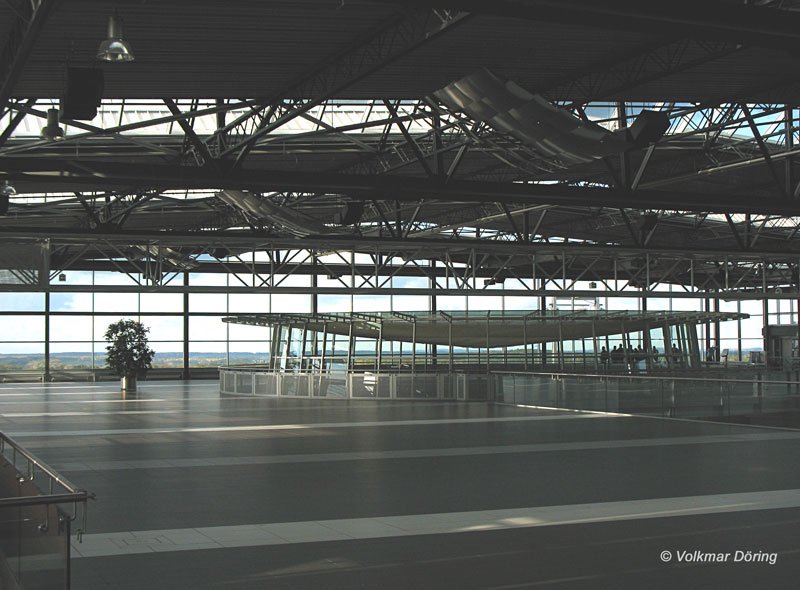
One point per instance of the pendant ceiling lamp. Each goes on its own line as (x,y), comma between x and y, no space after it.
(115,49)
(52,131)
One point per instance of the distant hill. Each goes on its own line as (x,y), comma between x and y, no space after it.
(83,360)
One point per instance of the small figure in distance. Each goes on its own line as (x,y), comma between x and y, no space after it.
(676,355)
(614,356)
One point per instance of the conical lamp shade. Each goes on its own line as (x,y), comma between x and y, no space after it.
(114,49)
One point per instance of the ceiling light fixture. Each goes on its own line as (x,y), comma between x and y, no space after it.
(115,49)
(52,131)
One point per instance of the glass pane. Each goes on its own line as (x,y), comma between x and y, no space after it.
(101,324)
(112,278)
(71,355)
(161,302)
(245,353)
(168,354)
(481,303)
(207,354)
(456,303)
(74,277)
(751,327)
(249,303)
(332,303)
(519,303)
(208,279)
(21,328)
(291,304)
(71,302)
(22,301)
(208,302)
(116,302)
(207,328)
(411,302)
(164,327)
(373,303)
(70,328)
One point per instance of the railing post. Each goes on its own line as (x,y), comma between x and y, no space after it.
(379,360)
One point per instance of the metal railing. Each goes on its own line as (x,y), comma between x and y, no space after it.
(624,362)
(688,394)
(35,529)
(256,381)
(677,396)
(698,394)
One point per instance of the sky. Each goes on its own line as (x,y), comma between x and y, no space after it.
(73,328)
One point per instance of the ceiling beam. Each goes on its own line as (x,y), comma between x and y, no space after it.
(352,65)
(424,247)
(589,269)
(374,244)
(90,175)
(629,292)
(725,166)
(613,78)
(200,148)
(15,121)
(709,19)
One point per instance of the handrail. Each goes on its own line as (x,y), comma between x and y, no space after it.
(81,496)
(340,374)
(74,494)
(32,460)
(648,376)
(658,376)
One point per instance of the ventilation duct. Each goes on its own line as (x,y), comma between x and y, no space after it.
(163,256)
(540,124)
(291,221)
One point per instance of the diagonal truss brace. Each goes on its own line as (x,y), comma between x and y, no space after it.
(352,65)
(21,37)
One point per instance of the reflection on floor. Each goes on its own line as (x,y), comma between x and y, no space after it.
(198,491)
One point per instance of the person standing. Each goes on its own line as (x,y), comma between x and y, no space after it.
(676,355)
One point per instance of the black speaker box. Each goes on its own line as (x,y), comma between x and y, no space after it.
(352,213)
(83,93)
(649,127)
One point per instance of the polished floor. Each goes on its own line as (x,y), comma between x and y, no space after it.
(199,491)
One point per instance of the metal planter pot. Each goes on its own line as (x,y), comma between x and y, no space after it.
(128,383)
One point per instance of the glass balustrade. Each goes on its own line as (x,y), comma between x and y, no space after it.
(37,510)
(649,395)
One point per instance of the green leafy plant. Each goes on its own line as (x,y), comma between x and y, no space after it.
(128,352)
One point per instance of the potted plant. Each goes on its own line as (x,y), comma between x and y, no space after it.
(127,353)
